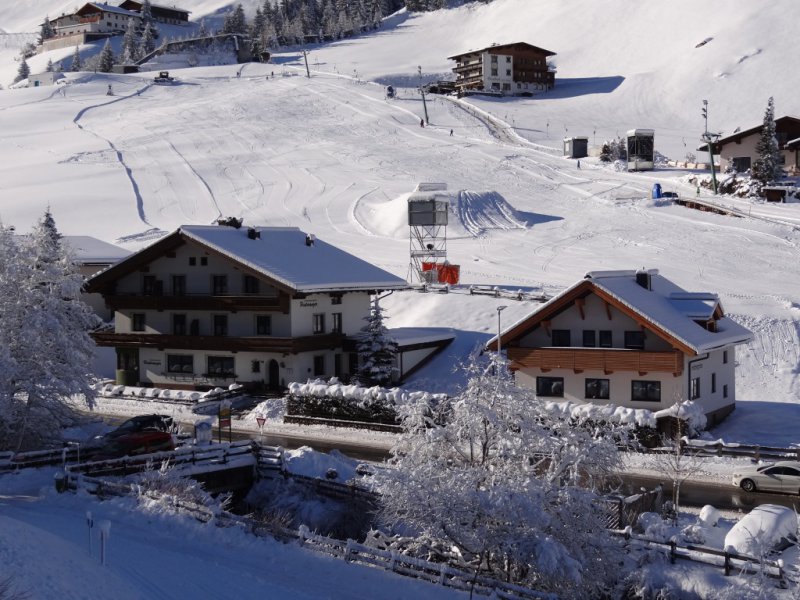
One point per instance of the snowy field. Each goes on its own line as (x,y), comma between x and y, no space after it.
(332,155)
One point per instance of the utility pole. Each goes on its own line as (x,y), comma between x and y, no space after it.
(305,57)
(422,91)
(709,139)
(499,329)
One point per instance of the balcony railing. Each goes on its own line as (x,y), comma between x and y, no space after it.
(220,343)
(198,302)
(597,359)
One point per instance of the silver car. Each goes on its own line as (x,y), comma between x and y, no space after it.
(776,477)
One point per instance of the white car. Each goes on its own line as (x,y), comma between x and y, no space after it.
(776,477)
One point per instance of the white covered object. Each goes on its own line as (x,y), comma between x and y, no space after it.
(765,528)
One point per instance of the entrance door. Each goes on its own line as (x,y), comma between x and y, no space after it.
(273,373)
(127,366)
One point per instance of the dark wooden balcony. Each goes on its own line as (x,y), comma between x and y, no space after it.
(198,302)
(289,345)
(607,360)
(460,68)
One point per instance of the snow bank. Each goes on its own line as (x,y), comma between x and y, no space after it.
(603,412)
(109,390)
(691,412)
(319,388)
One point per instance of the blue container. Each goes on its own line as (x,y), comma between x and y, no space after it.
(656,190)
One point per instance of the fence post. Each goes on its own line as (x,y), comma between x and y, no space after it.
(672,553)
(758,453)
(348,550)
(442,578)
(302,533)
(727,564)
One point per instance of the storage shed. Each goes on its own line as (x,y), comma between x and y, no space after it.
(576,147)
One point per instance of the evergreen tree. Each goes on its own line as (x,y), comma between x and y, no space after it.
(77,63)
(50,68)
(44,329)
(23,72)
(106,61)
(148,42)
(376,350)
(46,31)
(147,19)
(767,167)
(130,44)
(235,21)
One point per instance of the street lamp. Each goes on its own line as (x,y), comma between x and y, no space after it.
(422,91)
(500,309)
(709,139)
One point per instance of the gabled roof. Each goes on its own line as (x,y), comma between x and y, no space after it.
(279,254)
(498,47)
(780,122)
(665,309)
(105,8)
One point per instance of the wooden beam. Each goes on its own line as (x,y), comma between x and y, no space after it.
(608,309)
(580,302)
(546,326)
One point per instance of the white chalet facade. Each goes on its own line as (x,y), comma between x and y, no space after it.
(209,305)
(628,338)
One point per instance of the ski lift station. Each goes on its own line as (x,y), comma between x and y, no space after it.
(428,208)
(576,147)
(640,149)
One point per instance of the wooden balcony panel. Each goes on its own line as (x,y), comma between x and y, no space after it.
(597,359)
(220,343)
(204,302)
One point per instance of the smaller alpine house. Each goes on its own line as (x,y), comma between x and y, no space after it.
(210,305)
(630,338)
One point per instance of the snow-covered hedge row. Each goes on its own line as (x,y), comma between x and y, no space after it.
(691,412)
(110,390)
(333,388)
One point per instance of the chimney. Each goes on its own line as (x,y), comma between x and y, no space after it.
(309,239)
(253,233)
(643,279)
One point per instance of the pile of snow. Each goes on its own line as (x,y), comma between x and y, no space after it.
(310,463)
(767,527)
(333,388)
(607,413)
(690,411)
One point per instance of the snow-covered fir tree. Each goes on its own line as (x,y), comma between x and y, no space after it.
(148,42)
(376,350)
(77,63)
(147,19)
(507,482)
(23,71)
(105,62)
(130,44)
(44,331)
(50,67)
(767,167)
(46,31)
(235,21)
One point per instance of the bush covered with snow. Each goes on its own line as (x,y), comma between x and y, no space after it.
(334,400)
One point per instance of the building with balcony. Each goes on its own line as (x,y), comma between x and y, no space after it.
(209,305)
(629,338)
(517,68)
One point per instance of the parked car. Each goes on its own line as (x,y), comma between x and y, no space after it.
(669,195)
(776,477)
(764,529)
(152,422)
(133,444)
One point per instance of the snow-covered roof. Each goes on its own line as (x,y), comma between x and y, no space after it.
(673,314)
(669,308)
(282,254)
(409,336)
(91,251)
(109,9)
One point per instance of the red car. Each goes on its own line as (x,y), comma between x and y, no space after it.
(133,444)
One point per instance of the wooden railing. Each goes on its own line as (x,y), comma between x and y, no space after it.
(597,359)
(219,342)
(198,302)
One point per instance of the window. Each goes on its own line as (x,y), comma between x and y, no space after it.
(137,322)
(725,390)
(605,339)
(634,340)
(560,337)
(149,285)
(646,391)
(588,338)
(220,324)
(550,387)
(506,86)
(724,357)
(494,58)
(263,325)
(219,285)
(337,323)
(319,323)
(192,261)
(597,389)
(740,164)
(319,365)
(179,285)
(508,71)
(508,59)
(337,365)
(694,388)
(713,383)
(203,261)
(220,366)
(336,299)
(255,366)
(494,72)
(250,285)
(178,324)
(180,363)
